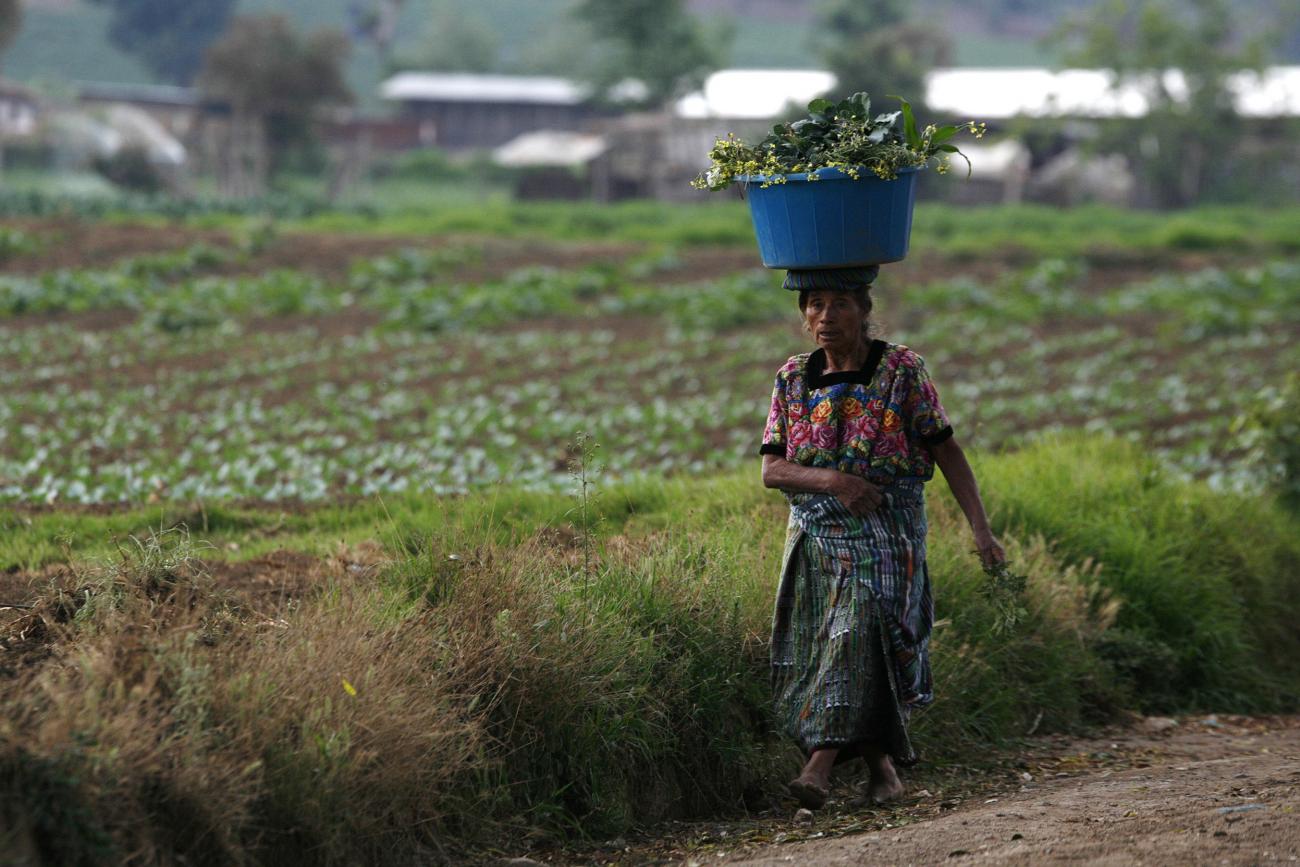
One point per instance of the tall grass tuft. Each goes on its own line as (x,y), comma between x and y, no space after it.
(1209,580)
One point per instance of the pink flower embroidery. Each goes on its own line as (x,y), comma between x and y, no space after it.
(897,359)
(800,433)
(863,427)
(891,444)
(823,436)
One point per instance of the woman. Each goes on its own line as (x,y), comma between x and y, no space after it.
(854,432)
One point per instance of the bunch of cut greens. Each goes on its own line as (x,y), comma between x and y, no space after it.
(1004,590)
(843,136)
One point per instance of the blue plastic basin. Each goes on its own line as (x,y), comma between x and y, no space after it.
(832,221)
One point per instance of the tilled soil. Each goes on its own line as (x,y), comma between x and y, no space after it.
(1216,792)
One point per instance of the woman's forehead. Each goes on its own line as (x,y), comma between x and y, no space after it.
(827,296)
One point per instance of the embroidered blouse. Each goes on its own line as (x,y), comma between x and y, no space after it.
(875,422)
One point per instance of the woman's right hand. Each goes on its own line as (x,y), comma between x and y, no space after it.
(858,495)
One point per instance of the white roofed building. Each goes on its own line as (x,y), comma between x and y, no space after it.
(463,111)
(1003,94)
(754,94)
(988,94)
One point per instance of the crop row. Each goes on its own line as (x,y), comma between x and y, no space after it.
(417,289)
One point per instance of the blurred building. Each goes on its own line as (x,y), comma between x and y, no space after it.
(467,111)
(176,109)
(552,164)
(18,111)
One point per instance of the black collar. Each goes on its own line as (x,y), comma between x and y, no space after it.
(817,363)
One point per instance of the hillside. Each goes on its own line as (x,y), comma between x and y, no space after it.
(64,41)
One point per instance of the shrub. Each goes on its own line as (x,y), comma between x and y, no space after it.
(131,169)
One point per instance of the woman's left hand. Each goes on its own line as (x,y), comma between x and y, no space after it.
(990,550)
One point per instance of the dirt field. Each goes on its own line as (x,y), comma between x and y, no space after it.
(1203,791)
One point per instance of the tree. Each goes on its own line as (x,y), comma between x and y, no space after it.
(1181,60)
(11,21)
(376,20)
(657,42)
(454,41)
(170,37)
(873,45)
(276,82)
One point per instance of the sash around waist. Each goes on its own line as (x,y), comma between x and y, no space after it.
(825,515)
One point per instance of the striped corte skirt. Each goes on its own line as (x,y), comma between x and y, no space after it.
(851,628)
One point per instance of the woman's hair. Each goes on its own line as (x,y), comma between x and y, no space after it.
(860,294)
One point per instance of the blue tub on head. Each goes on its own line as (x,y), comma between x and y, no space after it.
(832,221)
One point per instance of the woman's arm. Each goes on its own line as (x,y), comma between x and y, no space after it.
(961,479)
(857,494)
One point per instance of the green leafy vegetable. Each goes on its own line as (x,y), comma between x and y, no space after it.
(843,136)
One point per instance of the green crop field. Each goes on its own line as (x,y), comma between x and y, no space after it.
(452,366)
(295,540)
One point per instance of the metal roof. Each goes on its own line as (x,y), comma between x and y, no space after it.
(550,147)
(754,93)
(472,87)
(993,94)
(158,94)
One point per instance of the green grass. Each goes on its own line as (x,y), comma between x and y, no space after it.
(1032,230)
(474,205)
(491,682)
(1209,582)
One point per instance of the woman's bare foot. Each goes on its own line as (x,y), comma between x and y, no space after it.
(881,791)
(813,785)
(809,793)
(885,784)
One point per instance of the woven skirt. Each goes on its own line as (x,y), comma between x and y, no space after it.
(849,656)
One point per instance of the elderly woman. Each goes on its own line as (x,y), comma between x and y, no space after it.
(854,432)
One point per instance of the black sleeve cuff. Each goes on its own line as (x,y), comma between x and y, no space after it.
(772,449)
(938,437)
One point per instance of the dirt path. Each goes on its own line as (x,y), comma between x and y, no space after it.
(1211,792)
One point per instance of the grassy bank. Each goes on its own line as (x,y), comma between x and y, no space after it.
(508,666)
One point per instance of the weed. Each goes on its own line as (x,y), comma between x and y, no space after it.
(584,516)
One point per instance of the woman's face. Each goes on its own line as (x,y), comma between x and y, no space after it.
(834,319)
